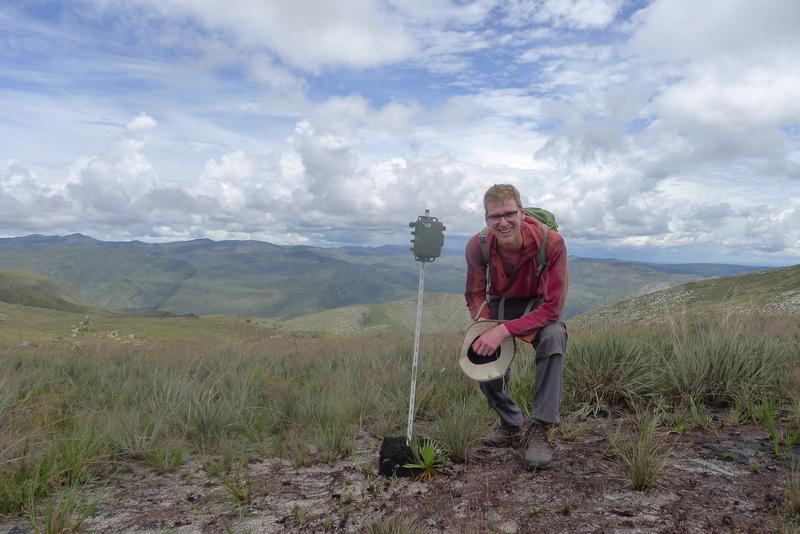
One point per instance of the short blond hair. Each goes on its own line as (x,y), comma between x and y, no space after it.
(499,193)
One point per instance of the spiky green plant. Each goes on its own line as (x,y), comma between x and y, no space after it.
(427,457)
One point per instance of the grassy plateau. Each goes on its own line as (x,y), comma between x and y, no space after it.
(86,395)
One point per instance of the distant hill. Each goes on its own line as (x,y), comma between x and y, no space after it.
(256,278)
(441,312)
(707,269)
(774,291)
(30,289)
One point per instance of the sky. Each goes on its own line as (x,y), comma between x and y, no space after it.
(661,131)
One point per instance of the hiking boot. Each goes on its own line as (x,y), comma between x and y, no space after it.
(538,452)
(503,436)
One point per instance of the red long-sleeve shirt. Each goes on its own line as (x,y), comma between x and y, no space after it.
(522,283)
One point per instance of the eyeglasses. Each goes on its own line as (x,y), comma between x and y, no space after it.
(495,217)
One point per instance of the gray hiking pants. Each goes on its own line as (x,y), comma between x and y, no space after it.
(550,345)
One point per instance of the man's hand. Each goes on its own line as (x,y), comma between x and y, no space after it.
(488,342)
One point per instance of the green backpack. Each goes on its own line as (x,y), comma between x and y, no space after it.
(548,221)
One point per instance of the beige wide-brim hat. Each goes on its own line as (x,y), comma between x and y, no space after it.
(485,368)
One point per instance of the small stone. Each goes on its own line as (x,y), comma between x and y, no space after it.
(509,527)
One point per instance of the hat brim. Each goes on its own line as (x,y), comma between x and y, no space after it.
(485,368)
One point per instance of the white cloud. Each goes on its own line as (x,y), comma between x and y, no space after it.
(683,30)
(322,122)
(303,33)
(736,95)
(578,14)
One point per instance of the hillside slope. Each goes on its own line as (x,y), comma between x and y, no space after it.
(30,289)
(775,291)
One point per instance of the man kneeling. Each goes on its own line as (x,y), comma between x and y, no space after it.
(527,290)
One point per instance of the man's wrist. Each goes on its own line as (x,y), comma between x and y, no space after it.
(504,330)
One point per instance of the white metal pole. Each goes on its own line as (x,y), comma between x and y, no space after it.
(412,400)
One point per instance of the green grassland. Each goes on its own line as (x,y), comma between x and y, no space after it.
(25,325)
(441,312)
(223,390)
(86,394)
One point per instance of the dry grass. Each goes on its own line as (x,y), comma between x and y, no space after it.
(73,413)
(641,450)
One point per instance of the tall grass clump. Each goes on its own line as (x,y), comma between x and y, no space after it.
(63,513)
(136,434)
(208,416)
(6,399)
(460,425)
(26,476)
(608,370)
(793,486)
(394,525)
(641,450)
(714,358)
(332,437)
(523,377)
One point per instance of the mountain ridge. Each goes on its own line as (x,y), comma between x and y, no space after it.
(257,278)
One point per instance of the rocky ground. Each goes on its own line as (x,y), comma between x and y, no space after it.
(722,480)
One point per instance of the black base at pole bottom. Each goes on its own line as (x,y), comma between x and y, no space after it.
(393,456)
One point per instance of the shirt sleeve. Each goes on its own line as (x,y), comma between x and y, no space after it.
(554,292)
(475,292)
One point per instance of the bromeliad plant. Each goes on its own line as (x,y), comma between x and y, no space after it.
(427,456)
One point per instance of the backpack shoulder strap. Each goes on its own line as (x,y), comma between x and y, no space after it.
(484,246)
(482,241)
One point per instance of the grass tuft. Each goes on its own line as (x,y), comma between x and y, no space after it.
(641,450)
(208,417)
(793,486)
(459,427)
(608,370)
(394,525)
(63,513)
(714,360)
(332,439)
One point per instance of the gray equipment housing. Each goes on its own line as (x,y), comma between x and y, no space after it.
(428,238)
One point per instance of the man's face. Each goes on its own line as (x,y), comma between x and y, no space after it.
(503,218)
